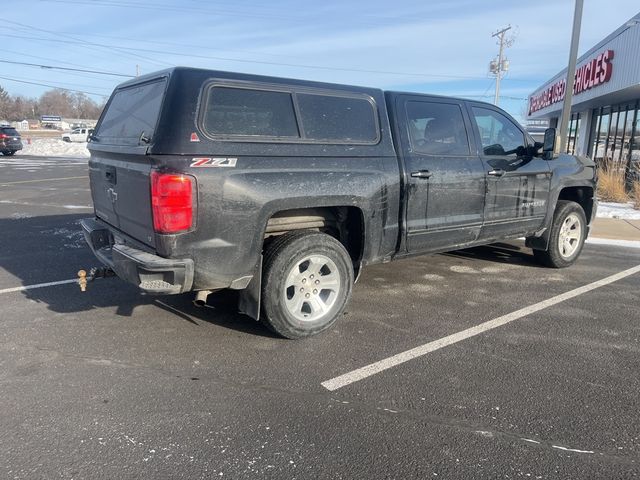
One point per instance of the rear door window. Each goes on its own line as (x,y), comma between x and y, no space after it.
(131,114)
(12,132)
(437,128)
(337,119)
(249,113)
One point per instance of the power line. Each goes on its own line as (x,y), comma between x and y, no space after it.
(67,68)
(192,46)
(262,62)
(71,84)
(76,41)
(217,12)
(53,86)
(22,54)
(247,61)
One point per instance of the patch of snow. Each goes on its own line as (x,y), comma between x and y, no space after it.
(623,211)
(462,269)
(432,277)
(54,147)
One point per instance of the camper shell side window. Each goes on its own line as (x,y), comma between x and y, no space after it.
(277,114)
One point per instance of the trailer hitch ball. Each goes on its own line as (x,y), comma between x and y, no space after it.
(82,280)
(95,272)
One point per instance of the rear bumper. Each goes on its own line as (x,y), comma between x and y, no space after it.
(149,272)
(10,147)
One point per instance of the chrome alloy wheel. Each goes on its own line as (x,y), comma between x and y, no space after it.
(570,235)
(312,287)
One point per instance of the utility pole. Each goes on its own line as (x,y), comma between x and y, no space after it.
(501,64)
(571,73)
(137,70)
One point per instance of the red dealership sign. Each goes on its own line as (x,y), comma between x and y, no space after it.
(595,72)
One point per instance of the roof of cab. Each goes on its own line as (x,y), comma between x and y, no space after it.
(395,93)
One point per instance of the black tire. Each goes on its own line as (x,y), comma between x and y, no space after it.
(553,257)
(9,153)
(280,258)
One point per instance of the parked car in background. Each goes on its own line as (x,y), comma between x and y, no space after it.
(10,141)
(77,135)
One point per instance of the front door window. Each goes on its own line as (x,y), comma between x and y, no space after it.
(499,135)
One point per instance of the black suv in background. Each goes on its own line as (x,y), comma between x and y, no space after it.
(10,141)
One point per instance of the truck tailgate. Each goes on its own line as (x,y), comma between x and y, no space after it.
(121,193)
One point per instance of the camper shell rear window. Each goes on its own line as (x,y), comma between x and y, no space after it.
(275,114)
(132,114)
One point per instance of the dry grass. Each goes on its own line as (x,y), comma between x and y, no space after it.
(636,194)
(611,183)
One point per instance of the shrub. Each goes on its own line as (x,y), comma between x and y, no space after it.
(611,183)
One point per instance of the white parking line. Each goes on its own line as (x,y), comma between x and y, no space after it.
(395,360)
(37,285)
(5,184)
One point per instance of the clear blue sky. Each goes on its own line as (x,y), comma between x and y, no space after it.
(435,46)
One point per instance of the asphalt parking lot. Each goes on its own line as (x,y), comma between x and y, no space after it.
(113,384)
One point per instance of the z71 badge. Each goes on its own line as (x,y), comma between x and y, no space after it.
(213,162)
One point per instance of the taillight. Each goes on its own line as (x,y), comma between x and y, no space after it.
(4,135)
(172,202)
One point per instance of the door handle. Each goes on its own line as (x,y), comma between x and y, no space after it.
(421,174)
(497,172)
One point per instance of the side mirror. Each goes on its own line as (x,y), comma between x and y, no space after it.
(494,150)
(523,151)
(531,151)
(549,145)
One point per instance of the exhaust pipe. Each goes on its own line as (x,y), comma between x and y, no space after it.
(201,298)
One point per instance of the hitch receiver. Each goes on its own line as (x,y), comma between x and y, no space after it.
(95,272)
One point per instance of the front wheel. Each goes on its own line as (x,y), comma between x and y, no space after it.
(307,281)
(567,236)
(9,153)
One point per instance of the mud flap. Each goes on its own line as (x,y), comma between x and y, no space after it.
(539,242)
(249,298)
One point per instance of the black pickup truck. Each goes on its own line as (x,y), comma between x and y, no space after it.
(284,189)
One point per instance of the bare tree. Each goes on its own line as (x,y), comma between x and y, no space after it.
(57,102)
(53,102)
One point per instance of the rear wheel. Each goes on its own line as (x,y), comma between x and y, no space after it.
(307,281)
(9,153)
(567,236)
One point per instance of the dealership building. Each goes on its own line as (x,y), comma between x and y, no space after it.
(605,109)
